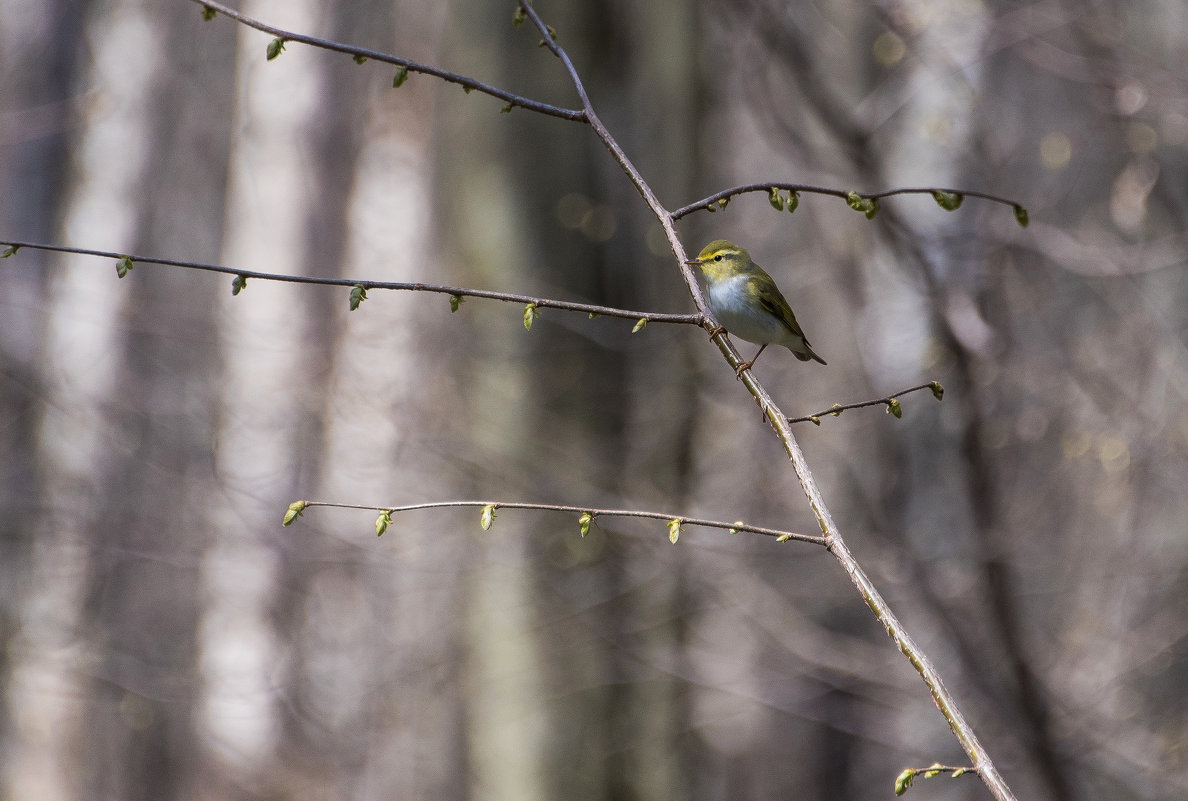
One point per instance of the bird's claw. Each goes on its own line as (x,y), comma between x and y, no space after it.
(717,329)
(738,371)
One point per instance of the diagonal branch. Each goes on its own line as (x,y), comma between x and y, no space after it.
(662,214)
(574,115)
(452,291)
(835,543)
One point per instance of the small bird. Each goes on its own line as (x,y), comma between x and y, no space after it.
(747,302)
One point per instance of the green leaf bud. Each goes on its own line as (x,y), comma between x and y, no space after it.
(238,284)
(487,517)
(294,512)
(674,530)
(868,206)
(124,266)
(382,522)
(938,391)
(1021,216)
(949,201)
(358,295)
(455,302)
(904,780)
(643,322)
(584,523)
(894,408)
(275,48)
(400,77)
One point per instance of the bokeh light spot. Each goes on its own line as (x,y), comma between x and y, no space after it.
(1055,150)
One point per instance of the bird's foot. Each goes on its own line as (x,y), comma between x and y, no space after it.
(738,371)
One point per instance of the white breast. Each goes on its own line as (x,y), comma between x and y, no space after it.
(728,302)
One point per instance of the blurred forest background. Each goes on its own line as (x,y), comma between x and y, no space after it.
(163,637)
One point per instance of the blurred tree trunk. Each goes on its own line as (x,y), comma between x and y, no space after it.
(34,156)
(141,604)
(535,204)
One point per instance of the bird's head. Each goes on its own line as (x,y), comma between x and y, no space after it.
(721,259)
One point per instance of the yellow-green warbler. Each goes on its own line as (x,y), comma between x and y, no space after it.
(747,302)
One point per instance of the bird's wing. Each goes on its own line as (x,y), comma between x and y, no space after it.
(780,308)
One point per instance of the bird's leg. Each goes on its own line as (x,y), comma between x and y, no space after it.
(738,371)
(717,329)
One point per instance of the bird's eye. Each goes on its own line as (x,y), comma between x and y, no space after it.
(718,257)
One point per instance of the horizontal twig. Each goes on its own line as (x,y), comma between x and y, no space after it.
(712,203)
(454,291)
(579,510)
(939,768)
(909,775)
(576,115)
(890,401)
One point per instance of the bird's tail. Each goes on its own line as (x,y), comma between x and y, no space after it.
(807,354)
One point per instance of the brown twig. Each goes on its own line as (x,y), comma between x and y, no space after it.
(713,202)
(739,526)
(637,180)
(575,115)
(909,775)
(454,291)
(890,401)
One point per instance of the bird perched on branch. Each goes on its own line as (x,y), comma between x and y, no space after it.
(747,302)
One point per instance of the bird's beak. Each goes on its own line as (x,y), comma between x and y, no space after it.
(693,262)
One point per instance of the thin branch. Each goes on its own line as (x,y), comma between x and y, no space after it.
(714,201)
(909,775)
(833,540)
(574,115)
(891,402)
(783,536)
(939,768)
(620,156)
(454,291)
(779,423)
